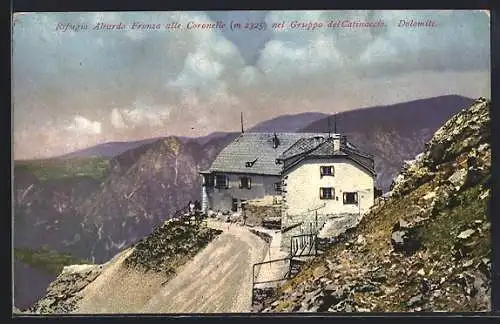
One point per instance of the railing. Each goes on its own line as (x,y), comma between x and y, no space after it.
(304,245)
(272,279)
(288,228)
(270,262)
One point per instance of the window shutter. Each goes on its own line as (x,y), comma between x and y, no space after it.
(333,193)
(249,183)
(332,170)
(226,179)
(320,193)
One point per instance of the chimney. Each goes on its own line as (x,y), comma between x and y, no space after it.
(276,141)
(336,143)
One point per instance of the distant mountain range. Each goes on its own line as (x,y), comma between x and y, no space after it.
(95,202)
(287,123)
(393,133)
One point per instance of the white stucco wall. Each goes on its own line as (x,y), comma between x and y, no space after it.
(304,181)
(221,198)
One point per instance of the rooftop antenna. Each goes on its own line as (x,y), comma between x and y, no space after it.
(335,124)
(329,127)
(242,130)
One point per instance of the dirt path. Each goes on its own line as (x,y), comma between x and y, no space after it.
(218,279)
(274,270)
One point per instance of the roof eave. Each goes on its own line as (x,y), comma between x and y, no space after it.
(370,170)
(245,172)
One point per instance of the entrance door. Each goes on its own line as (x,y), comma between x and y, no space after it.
(234,206)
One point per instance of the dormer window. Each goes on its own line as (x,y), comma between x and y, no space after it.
(326,170)
(250,164)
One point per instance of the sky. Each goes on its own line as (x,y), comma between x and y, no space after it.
(75,89)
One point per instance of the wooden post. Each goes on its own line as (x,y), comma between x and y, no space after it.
(315,245)
(316,220)
(253,284)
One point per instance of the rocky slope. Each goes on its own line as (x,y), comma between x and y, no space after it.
(427,247)
(62,294)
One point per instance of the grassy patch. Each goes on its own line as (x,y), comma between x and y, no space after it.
(46,260)
(440,234)
(170,246)
(51,169)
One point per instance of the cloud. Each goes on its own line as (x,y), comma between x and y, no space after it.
(390,49)
(83,125)
(117,119)
(132,84)
(139,116)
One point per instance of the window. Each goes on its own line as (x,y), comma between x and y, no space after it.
(326,193)
(209,180)
(245,182)
(221,181)
(326,170)
(350,198)
(277,186)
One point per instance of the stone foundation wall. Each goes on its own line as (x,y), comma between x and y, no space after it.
(256,212)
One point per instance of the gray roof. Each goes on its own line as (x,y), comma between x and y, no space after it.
(257,148)
(305,144)
(324,148)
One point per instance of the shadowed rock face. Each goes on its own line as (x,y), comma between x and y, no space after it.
(91,218)
(144,188)
(45,210)
(426,246)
